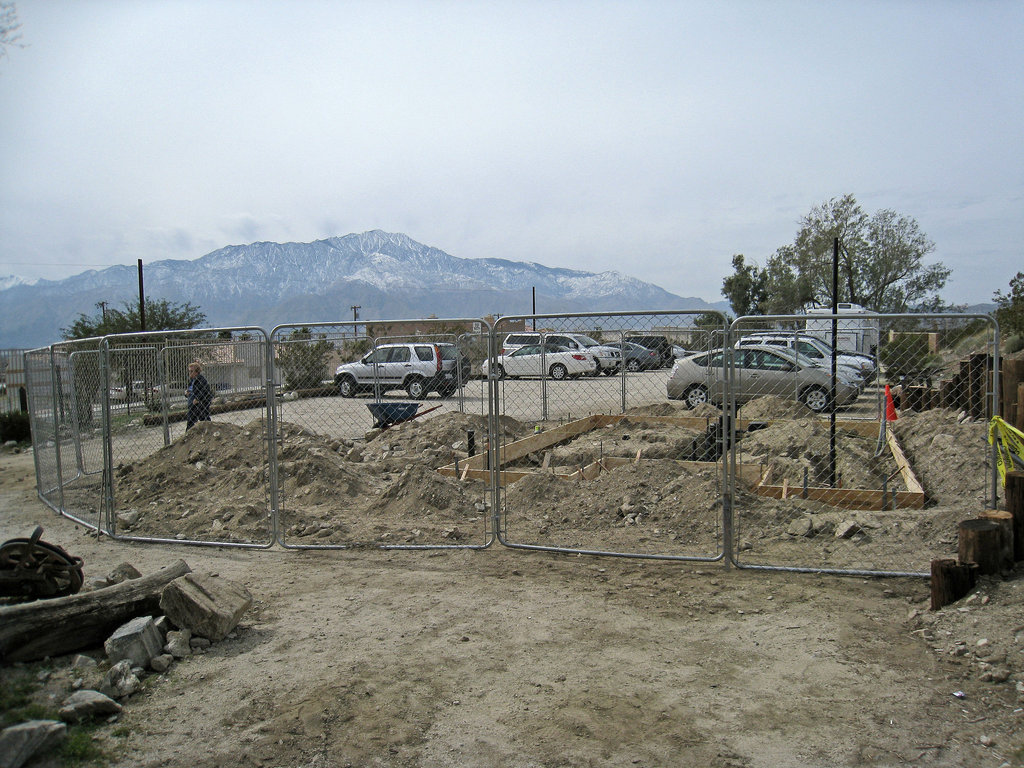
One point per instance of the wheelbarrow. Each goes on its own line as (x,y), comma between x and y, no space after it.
(388,414)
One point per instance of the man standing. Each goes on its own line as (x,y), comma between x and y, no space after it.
(199,395)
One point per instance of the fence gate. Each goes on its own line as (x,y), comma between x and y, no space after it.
(374,431)
(209,484)
(592,456)
(822,479)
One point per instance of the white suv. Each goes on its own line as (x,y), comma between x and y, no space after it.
(608,358)
(419,368)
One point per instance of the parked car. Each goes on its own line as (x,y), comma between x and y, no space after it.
(638,358)
(535,360)
(759,371)
(608,357)
(419,368)
(815,349)
(659,344)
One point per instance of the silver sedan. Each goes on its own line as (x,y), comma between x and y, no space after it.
(758,371)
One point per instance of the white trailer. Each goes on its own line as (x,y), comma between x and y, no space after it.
(857,328)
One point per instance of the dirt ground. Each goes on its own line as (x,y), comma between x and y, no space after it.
(498,657)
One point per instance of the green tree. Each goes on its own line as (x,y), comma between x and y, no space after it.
(1010,306)
(303,359)
(161,315)
(745,287)
(881,263)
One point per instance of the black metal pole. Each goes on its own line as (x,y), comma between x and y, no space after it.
(534,291)
(142,301)
(832,395)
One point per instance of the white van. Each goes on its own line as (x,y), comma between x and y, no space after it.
(857,328)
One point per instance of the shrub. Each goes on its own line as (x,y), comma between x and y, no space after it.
(1014,344)
(15,425)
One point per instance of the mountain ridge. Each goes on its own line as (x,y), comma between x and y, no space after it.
(389,275)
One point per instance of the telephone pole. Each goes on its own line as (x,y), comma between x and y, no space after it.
(355,318)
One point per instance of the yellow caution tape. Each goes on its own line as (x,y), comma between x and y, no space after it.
(1008,440)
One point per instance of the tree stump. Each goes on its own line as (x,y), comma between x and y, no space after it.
(980,542)
(1005,522)
(951,581)
(1015,506)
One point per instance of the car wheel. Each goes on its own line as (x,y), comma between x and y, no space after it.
(696,395)
(816,399)
(347,386)
(500,370)
(633,366)
(558,372)
(416,388)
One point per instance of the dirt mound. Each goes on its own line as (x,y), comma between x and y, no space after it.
(952,459)
(804,444)
(773,407)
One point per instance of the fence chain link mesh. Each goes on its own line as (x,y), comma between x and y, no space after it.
(653,435)
(593,455)
(203,484)
(376,416)
(849,461)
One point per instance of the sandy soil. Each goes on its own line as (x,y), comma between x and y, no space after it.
(498,657)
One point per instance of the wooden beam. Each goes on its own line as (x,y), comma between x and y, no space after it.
(906,472)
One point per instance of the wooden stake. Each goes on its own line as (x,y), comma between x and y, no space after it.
(1005,522)
(1015,506)
(951,581)
(980,542)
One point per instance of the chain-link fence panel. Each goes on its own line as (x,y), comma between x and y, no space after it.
(186,422)
(373,426)
(597,452)
(860,440)
(42,418)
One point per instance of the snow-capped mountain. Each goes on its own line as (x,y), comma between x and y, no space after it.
(387,275)
(9,281)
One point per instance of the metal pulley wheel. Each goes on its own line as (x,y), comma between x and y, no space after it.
(30,568)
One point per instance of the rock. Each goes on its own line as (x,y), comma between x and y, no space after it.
(83,662)
(129,517)
(120,681)
(210,606)
(20,743)
(84,705)
(161,663)
(178,643)
(199,643)
(847,529)
(801,526)
(124,571)
(137,641)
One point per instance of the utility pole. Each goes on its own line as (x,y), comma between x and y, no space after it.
(355,317)
(103,308)
(142,301)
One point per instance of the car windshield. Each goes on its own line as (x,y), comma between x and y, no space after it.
(586,341)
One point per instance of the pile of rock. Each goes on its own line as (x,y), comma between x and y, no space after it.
(198,610)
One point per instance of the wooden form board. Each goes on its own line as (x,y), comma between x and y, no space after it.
(752,475)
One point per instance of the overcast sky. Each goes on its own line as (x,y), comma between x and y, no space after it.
(653,138)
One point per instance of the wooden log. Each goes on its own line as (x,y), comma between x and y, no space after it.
(980,542)
(951,581)
(31,631)
(1015,506)
(1004,520)
(1019,421)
